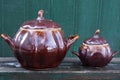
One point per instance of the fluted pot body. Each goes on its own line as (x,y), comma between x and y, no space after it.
(39,48)
(95,55)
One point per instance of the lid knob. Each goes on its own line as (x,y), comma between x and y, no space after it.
(40,15)
(96,35)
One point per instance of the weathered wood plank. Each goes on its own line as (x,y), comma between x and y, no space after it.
(70,69)
(69,65)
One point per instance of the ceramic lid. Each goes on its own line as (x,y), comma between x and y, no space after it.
(40,23)
(96,39)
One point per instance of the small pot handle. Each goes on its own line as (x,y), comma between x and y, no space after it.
(76,53)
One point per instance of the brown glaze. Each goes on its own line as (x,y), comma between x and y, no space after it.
(40,43)
(95,52)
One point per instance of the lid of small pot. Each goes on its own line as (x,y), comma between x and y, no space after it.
(96,39)
(40,23)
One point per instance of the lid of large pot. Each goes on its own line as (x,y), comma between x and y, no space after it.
(40,23)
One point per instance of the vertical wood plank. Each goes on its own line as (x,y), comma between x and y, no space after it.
(87,13)
(33,6)
(1,1)
(12,16)
(110,22)
(63,12)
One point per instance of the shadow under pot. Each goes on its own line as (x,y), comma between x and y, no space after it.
(40,43)
(95,51)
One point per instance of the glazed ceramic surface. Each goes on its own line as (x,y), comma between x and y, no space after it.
(95,51)
(40,43)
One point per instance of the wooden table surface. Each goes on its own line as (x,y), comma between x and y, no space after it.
(69,69)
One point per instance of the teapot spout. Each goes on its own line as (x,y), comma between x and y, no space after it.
(71,40)
(8,39)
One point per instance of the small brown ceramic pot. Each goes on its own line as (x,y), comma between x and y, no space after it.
(95,51)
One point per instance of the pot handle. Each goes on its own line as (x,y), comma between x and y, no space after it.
(114,53)
(76,53)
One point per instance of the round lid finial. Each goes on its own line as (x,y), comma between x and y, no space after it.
(40,15)
(97,31)
(96,35)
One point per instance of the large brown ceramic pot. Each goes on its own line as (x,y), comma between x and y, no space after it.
(40,43)
(95,51)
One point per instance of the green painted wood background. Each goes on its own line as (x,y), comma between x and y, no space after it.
(81,17)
